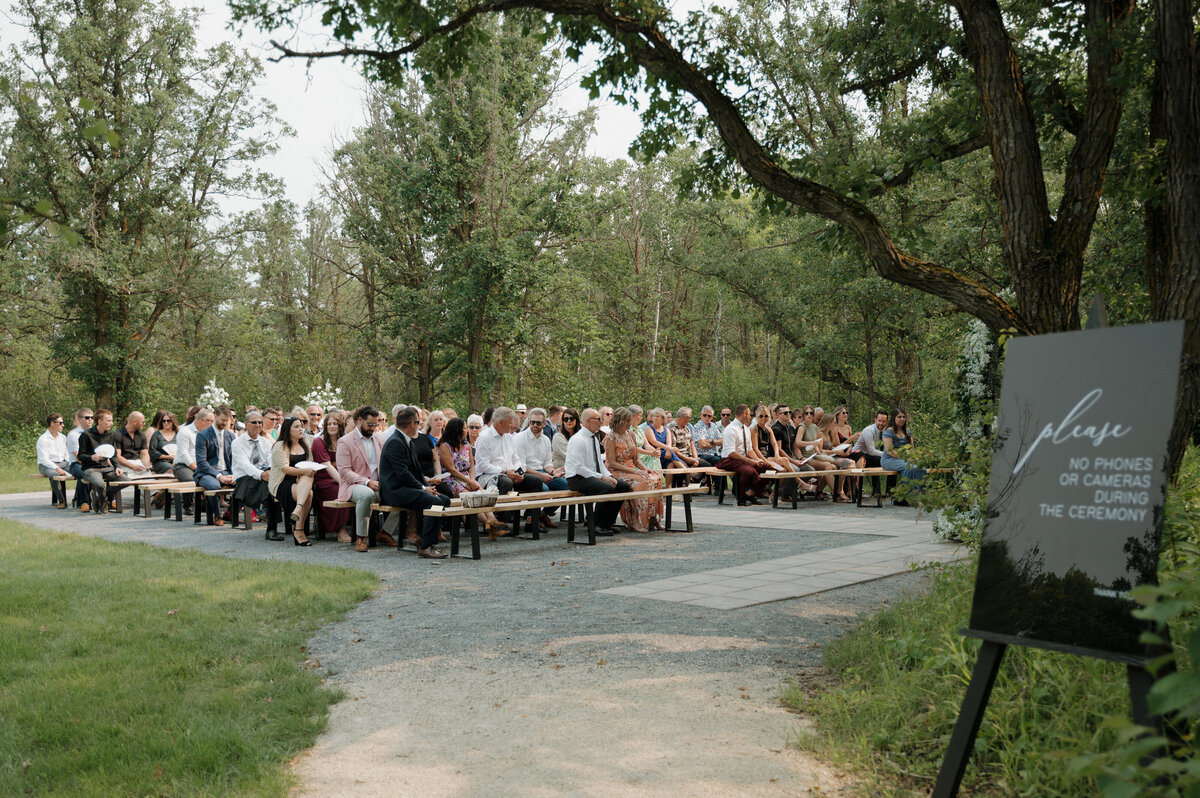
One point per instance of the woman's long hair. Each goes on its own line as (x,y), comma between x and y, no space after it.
(285,437)
(453,434)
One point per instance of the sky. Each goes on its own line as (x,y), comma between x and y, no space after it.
(323,103)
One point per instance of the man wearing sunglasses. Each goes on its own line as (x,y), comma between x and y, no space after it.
(706,434)
(83,421)
(252,470)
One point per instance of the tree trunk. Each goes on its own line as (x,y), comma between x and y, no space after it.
(1175,294)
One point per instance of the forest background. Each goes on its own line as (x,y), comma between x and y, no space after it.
(466,251)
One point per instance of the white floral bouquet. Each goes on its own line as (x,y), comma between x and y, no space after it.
(213,395)
(323,396)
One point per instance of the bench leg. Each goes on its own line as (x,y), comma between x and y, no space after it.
(473,525)
(667,520)
(720,482)
(591,522)
(571,523)
(687,510)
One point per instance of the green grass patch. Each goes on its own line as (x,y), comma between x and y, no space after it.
(14,477)
(131,670)
(900,678)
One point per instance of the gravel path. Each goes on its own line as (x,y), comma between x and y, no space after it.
(514,676)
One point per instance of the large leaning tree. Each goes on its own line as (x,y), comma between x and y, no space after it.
(1017,82)
(124,134)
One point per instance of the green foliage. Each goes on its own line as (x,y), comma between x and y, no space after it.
(1173,606)
(129,670)
(901,676)
(131,171)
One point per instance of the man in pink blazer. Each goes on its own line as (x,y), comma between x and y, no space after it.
(358,456)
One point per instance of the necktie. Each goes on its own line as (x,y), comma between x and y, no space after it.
(596,452)
(220,449)
(255,453)
(745,443)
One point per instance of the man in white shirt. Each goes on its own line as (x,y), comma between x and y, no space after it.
(867,448)
(707,435)
(586,472)
(533,449)
(184,468)
(497,462)
(52,458)
(252,470)
(83,421)
(387,433)
(738,454)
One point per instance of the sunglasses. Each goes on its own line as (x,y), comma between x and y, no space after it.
(88,418)
(253,422)
(475,426)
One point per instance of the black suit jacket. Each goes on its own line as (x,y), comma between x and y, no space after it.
(399,472)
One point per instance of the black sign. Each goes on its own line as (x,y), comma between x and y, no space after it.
(1078,483)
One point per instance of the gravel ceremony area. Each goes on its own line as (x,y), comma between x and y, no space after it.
(646,665)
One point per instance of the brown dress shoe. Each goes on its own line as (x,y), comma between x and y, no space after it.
(85,508)
(547,522)
(61,505)
(360,544)
(431,554)
(385,539)
(343,536)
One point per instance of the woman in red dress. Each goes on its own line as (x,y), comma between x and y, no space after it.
(324,450)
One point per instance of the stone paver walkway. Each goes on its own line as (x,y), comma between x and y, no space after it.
(905,544)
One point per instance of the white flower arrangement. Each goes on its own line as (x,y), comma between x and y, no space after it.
(213,395)
(323,396)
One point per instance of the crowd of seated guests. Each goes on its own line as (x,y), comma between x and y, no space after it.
(316,456)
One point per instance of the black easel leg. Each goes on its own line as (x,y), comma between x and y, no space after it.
(962,740)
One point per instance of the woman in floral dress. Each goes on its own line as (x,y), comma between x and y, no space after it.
(620,453)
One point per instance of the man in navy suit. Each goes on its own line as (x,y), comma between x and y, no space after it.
(401,483)
(214,456)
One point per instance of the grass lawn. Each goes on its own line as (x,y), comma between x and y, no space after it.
(14,477)
(130,670)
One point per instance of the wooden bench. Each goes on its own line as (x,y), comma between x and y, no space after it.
(796,476)
(56,478)
(471,514)
(121,484)
(208,513)
(178,491)
(145,487)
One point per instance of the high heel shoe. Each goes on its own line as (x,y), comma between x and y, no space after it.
(298,541)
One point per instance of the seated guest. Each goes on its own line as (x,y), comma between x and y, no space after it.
(762,439)
(99,470)
(272,418)
(568,425)
(326,482)
(474,427)
(588,474)
(606,413)
(290,485)
(727,418)
(896,440)
(458,470)
(425,449)
(166,429)
(449,413)
(643,513)
(252,472)
(680,440)
(360,451)
(807,445)
(553,420)
(133,448)
(658,438)
(52,458)
(384,434)
(647,453)
(433,426)
(315,414)
(521,410)
(866,449)
(737,454)
(706,434)
(83,421)
(496,459)
(184,467)
(214,458)
(829,439)
(401,483)
(534,450)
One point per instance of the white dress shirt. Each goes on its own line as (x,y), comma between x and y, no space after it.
(185,445)
(534,450)
(868,440)
(736,438)
(583,456)
(73,445)
(496,453)
(242,451)
(52,450)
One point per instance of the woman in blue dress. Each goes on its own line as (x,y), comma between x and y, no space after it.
(897,438)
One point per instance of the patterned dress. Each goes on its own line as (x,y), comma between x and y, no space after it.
(636,513)
(650,461)
(332,519)
(462,462)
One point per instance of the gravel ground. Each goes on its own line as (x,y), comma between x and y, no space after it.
(513,676)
